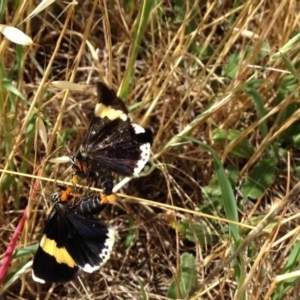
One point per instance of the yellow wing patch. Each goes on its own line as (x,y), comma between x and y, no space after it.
(112,114)
(60,254)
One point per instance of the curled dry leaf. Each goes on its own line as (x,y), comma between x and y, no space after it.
(93,51)
(43,133)
(247,33)
(15,35)
(60,160)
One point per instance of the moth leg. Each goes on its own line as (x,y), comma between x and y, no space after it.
(105,199)
(75,178)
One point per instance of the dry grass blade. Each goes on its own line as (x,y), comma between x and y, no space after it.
(42,6)
(67,85)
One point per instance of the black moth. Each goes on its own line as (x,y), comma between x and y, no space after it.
(74,240)
(112,143)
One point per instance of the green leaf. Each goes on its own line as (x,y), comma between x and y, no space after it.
(222,137)
(291,43)
(186,278)
(291,266)
(12,89)
(232,67)
(233,174)
(260,108)
(129,6)
(31,127)
(213,193)
(140,26)
(287,86)
(199,233)
(296,140)
(3,7)
(290,66)
(236,59)
(259,179)
(8,182)
(131,234)
(65,135)
(25,251)
(228,198)
(230,206)
(142,287)
(134,106)
(11,274)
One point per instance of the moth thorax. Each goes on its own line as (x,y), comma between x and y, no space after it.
(84,154)
(55,197)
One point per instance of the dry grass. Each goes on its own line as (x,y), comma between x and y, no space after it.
(187,81)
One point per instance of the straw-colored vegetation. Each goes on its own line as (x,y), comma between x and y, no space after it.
(215,214)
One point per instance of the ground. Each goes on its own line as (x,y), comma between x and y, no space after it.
(214,214)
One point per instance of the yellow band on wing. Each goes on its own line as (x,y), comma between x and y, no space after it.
(112,114)
(60,254)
